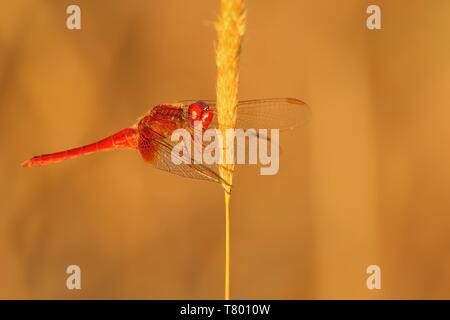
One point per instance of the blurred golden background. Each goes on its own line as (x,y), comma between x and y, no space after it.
(366,182)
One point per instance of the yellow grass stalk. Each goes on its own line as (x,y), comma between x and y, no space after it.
(230,29)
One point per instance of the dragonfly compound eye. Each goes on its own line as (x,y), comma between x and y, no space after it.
(207,118)
(195,112)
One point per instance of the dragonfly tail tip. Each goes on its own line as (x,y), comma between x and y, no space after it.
(26,164)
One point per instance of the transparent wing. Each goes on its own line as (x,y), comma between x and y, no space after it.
(162,149)
(278,113)
(283,114)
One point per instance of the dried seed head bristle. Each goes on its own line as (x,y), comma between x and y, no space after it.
(230,30)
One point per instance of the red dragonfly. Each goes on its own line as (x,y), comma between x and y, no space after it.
(151,133)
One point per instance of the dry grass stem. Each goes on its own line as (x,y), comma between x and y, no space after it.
(230,29)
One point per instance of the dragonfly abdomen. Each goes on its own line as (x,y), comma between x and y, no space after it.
(126,138)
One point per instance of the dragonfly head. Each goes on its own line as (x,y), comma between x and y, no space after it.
(199,111)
